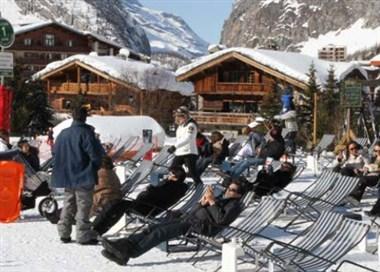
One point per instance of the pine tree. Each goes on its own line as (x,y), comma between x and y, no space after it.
(30,108)
(306,111)
(271,104)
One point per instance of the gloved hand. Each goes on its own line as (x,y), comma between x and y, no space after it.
(171,149)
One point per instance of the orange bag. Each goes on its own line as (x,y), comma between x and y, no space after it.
(11,183)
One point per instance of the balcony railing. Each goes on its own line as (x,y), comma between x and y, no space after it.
(238,88)
(222,118)
(75,88)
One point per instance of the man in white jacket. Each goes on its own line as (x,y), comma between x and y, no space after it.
(185,148)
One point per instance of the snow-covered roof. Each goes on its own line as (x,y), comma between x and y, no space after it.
(19,29)
(145,76)
(291,64)
(376,58)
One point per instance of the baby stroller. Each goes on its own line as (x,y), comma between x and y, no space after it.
(36,184)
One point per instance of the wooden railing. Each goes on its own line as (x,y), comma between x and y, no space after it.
(222,118)
(238,88)
(75,88)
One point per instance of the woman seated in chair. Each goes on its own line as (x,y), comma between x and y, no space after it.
(350,162)
(370,176)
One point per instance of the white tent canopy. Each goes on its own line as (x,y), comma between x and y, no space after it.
(115,128)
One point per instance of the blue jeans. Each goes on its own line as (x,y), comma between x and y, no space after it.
(243,165)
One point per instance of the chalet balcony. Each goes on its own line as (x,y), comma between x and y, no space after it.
(238,88)
(75,88)
(222,118)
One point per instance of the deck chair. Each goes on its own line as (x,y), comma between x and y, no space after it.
(323,228)
(310,208)
(324,143)
(120,147)
(261,217)
(327,254)
(362,141)
(137,177)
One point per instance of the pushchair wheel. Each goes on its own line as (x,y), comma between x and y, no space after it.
(47,205)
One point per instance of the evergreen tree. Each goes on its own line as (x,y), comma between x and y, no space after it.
(30,108)
(306,111)
(271,103)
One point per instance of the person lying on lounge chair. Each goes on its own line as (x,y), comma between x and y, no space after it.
(208,218)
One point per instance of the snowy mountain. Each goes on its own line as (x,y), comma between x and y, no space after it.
(166,32)
(305,25)
(124,21)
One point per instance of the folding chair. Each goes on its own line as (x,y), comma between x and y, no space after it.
(319,256)
(138,176)
(324,143)
(323,228)
(310,208)
(266,212)
(362,141)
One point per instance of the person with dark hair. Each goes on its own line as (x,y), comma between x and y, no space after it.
(268,182)
(77,158)
(273,148)
(30,154)
(185,149)
(108,188)
(217,152)
(208,217)
(151,201)
(350,162)
(369,176)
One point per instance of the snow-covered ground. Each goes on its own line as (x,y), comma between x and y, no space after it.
(32,244)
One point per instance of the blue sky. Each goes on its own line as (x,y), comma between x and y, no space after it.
(205,17)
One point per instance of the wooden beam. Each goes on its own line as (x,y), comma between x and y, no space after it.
(141,109)
(78,79)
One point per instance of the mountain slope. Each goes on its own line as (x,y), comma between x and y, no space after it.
(167,32)
(123,21)
(303,25)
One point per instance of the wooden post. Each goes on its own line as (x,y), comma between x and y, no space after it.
(348,121)
(78,79)
(141,112)
(315,119)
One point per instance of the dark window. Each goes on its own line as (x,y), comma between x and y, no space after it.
(49,40)
(236,76)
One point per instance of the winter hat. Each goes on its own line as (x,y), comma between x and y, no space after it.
(182,111)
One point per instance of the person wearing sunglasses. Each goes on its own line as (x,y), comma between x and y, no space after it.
(370,177)
(208,217)
(351,162)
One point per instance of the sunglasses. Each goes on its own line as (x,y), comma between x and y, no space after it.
(353,148)
(233,190)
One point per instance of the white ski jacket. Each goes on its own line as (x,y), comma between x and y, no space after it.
(186,135)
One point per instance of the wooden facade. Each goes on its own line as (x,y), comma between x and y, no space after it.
(107,95)
(35,47)
(230,88)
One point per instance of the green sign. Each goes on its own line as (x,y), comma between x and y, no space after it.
(352,95)
(7,35)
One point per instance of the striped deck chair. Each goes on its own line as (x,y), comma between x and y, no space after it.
(139,175)
(310,208)
(326,255)
(324,143)
(362,141)
(313,236)
(261,217)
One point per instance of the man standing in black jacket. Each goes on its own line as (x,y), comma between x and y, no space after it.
(208,218)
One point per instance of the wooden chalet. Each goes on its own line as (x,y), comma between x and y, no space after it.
(231,83)
(38,44)
(114,86)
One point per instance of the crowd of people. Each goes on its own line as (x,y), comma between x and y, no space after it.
(94,202)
